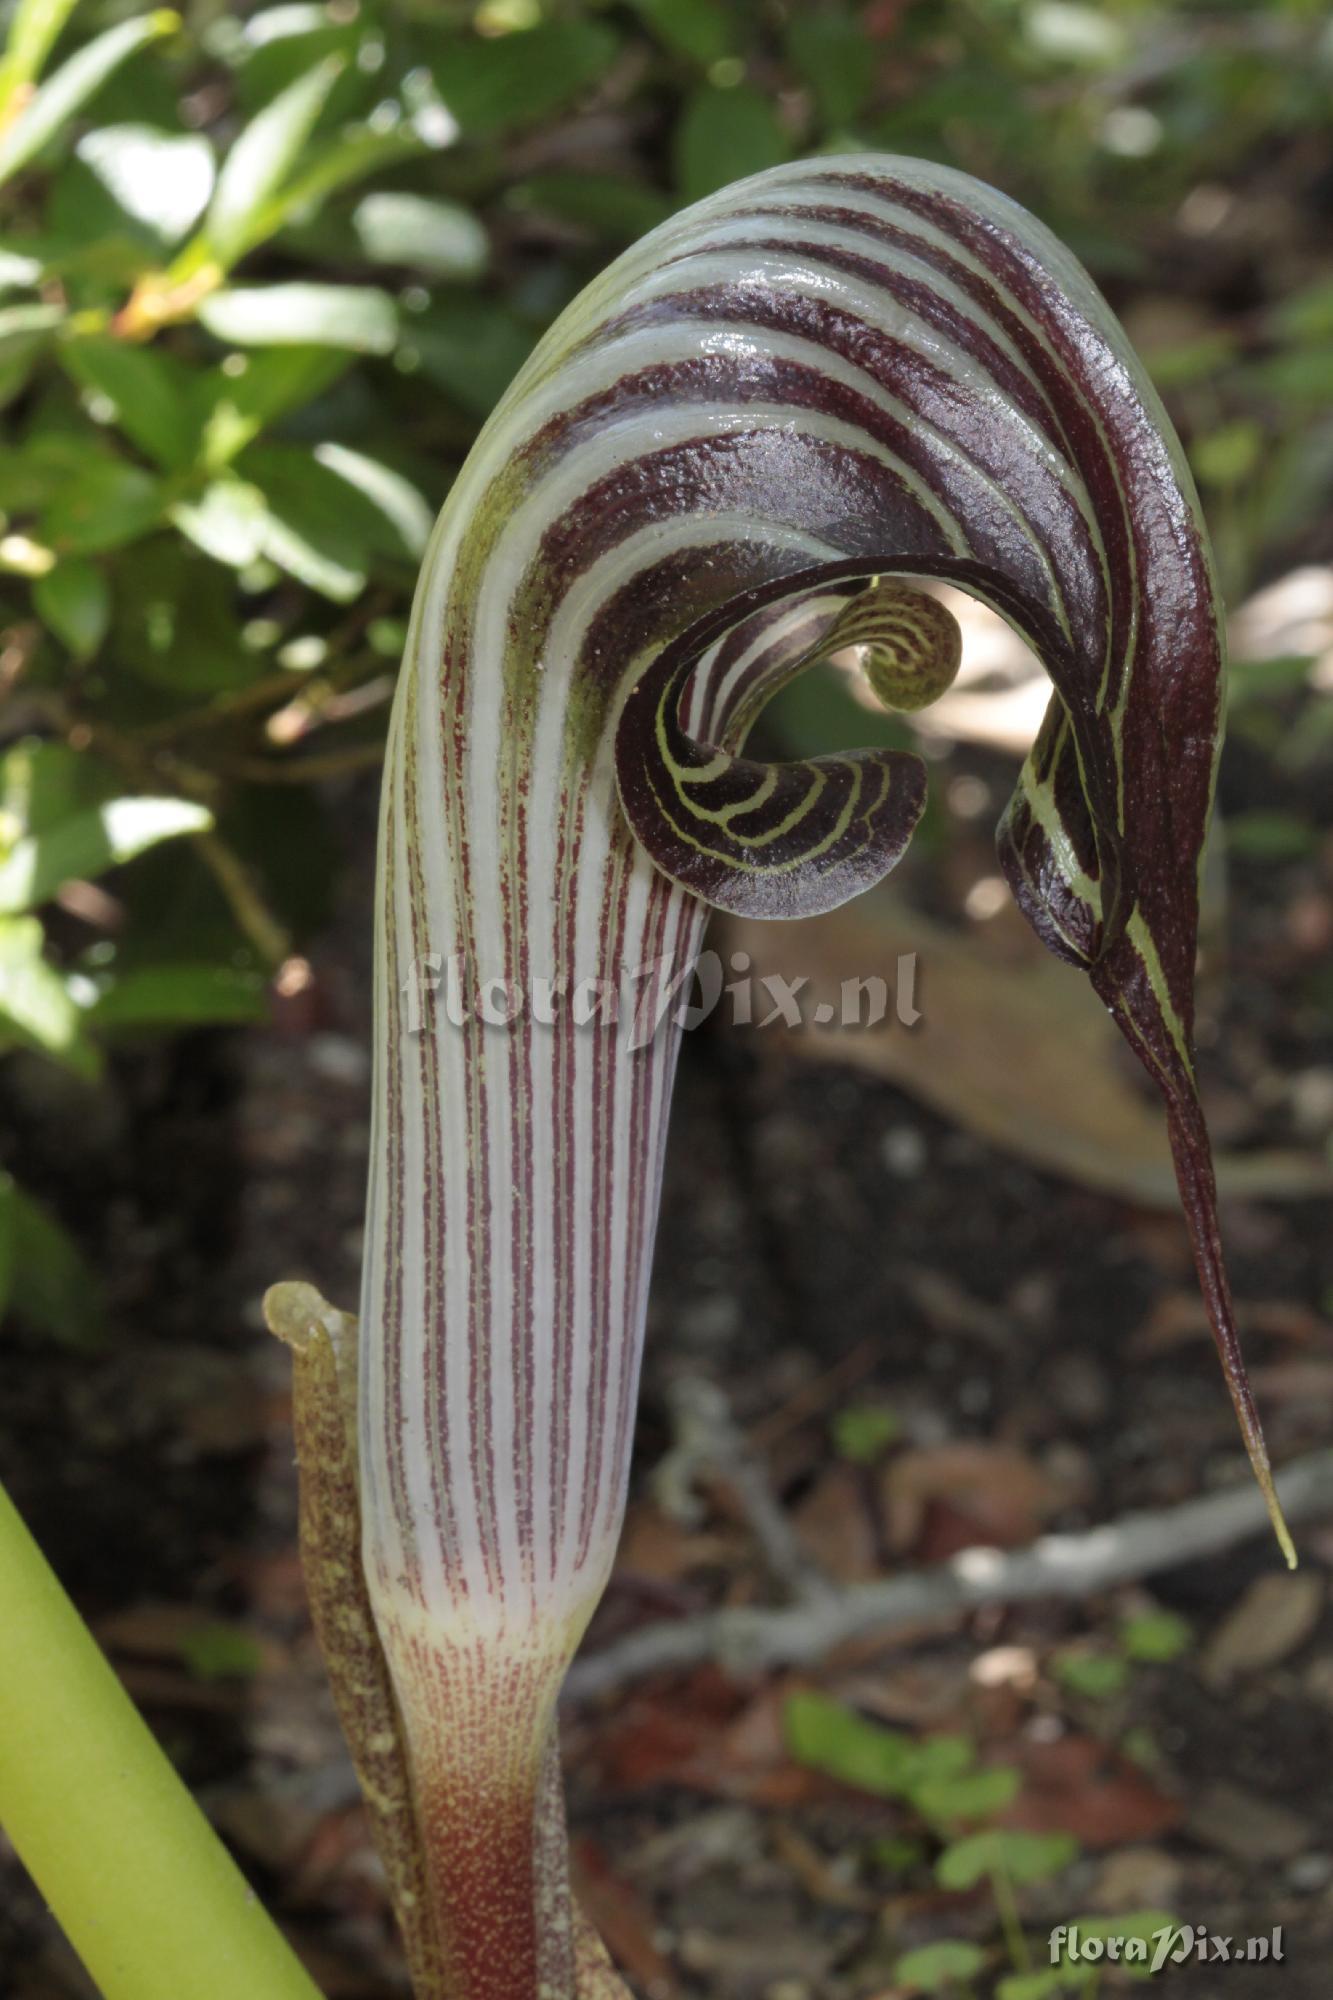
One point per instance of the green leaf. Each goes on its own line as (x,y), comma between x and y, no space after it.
(441,239)
(1023,1857)
(321,526)
(831,1738)
(704,30)
(836,1740)
(73,600)
(864,1432)
(1187,361)
(471,347)
(24,331)
(941,1757)
(89,842)
(356,153)
(830,52)
(17,272)
(722,136)
(222,1652)
(173,996)
(32,476)
(352,316)
(33,29)
(1308,314)
(55,103)
(106,505)
(151,391)
(1099,1676)
(20,322)
(1083,36)
(972,1795)
(42,783)
(43,1276)
(261,160)
(488,83)
(1302,378)
(175,622)
(936,1968)
(160,179)
(35,1007)
(396,498)
(1044,1985)
(1261,680)
(228,521)
(1156,1636)
(16,366)
(618,209)
(1226,456)
(254,389)
(1270,836)
(277,45)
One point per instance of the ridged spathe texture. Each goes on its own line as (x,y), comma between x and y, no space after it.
(855,369)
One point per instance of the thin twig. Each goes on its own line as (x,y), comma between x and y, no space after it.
(236,879)
(304,770)
(709,1443)
(281,684)
(745,1639)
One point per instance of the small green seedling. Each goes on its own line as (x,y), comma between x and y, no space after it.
(863,1432)
(1097,1676)
(1155,1637)
(946,1969)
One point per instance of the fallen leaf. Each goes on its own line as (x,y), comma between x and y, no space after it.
(834,1526)
(1273,1618)
(1138,1878)
(1011,1044)
(1247,1826)
(927,1693)
(939,1499)
(1294,1382)
(653,1545)
(710,1736)
(1175,1319)
(824,1880)
(1076,1785)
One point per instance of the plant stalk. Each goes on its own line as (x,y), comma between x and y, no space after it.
(142,1886)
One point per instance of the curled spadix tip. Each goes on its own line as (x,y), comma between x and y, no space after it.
(916,650)
(296,1312)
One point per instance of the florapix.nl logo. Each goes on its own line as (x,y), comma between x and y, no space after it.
(1166,1944)
(645,998)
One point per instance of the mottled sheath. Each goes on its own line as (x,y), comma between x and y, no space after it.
(859,368)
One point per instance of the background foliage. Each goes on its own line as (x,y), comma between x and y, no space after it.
(264,271)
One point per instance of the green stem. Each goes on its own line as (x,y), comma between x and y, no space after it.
(1011,1923)
(146,1892)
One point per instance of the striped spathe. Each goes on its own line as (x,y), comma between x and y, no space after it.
(748,442)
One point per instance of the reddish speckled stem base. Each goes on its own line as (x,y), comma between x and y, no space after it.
(479,1721)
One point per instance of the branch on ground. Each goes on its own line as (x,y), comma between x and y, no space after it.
(747,1639)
